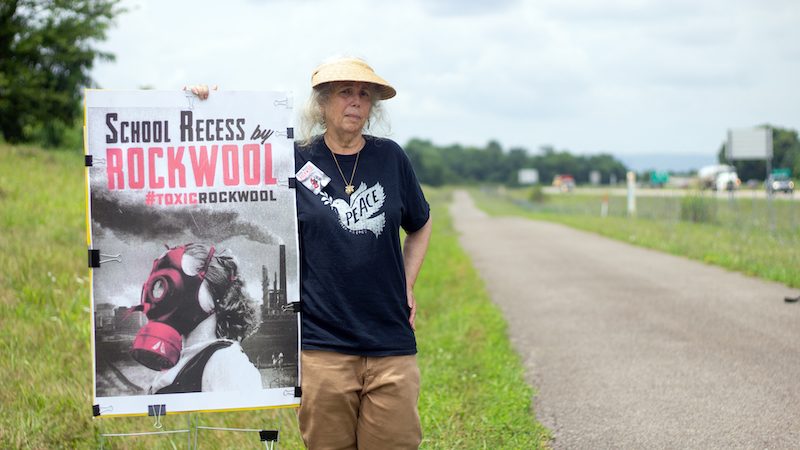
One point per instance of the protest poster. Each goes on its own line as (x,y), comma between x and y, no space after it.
(192,237)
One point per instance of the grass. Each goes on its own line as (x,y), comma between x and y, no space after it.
(473,393)
(739,237)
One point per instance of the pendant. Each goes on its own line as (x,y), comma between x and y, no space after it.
(349,189)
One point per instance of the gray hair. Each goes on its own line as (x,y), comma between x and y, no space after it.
(237,314)
(312,122)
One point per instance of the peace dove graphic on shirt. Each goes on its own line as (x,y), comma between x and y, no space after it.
(359,216)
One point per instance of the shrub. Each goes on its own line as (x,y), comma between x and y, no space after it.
(698,209)
(537,195)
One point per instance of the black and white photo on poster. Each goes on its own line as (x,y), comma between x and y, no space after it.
(191,209)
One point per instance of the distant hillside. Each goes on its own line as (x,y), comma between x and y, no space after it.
(667,161)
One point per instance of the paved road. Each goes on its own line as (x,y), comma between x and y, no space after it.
(632,348)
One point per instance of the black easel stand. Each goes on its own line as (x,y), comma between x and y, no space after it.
(156,411)
(268,437)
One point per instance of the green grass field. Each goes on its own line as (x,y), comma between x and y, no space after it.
(737,235)
(473,393)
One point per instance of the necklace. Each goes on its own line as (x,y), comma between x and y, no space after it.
(348,188)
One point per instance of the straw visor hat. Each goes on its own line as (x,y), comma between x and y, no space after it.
(351,69)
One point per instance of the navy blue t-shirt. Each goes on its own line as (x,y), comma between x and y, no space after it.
(352,276)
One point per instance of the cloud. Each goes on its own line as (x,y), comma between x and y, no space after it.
(461,8)
(620,75)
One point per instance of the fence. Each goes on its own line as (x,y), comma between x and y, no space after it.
(745,211)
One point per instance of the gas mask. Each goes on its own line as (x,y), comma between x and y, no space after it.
(170,300)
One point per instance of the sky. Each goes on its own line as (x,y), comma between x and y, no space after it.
(626,77)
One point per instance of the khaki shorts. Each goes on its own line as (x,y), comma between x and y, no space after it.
(358,402)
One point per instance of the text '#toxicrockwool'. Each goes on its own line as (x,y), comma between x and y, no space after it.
(153,198)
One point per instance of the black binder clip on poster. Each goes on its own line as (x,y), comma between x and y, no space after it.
(96,258)
(268,437)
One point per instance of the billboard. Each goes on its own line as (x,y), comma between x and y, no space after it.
(192,237)
(528,176)
(749,143)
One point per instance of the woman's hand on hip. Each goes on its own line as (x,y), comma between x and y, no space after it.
(412,304)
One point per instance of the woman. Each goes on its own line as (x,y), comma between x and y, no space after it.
(198,315)
(360,380)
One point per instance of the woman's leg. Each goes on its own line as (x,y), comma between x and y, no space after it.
(389,417)
(331,384)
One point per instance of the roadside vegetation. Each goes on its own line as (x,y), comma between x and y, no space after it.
(745,234)
(473,393)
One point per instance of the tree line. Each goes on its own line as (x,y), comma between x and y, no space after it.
(457,164)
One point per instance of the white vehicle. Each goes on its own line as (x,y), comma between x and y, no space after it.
(720,177)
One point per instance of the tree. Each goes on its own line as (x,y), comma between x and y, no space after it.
(456,164)
(47,48)
(427,162)
(516,159)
